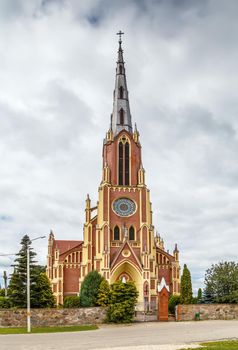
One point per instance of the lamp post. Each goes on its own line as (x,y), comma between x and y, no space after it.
(28,292)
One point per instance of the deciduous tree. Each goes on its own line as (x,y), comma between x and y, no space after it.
(221,282)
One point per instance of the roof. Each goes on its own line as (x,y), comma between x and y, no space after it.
(63,245)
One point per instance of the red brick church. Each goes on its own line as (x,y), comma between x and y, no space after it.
(119,236)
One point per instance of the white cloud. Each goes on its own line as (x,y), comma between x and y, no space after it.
(57,63)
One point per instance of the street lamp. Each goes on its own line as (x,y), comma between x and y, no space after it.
(28,292)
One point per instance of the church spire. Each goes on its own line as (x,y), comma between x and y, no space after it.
(121,116)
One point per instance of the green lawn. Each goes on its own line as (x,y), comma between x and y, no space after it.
(48,329)
(220,345)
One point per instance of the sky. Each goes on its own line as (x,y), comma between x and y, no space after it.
(57,73)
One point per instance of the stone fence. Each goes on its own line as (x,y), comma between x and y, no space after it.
(206,312)
(52,317)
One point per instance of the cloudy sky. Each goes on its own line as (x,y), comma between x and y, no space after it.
(57,70)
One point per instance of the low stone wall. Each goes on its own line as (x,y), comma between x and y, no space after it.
(52,317)
(207,312)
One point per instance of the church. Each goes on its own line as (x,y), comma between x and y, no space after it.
(119,239)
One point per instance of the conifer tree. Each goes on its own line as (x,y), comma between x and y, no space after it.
(40,290)
(103,293)
(43,293)
(186,287)
(18,282)
(122,302)
(89,289)
(199,297)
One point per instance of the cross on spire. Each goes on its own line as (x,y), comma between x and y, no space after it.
(120,33)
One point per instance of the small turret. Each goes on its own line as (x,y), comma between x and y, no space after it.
(141,176)
(106,173)
(176,252)
(136,134)
(88,209)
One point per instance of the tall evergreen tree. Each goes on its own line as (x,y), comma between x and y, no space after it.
(186,287)
(40,289)
(199,297)
(18,282)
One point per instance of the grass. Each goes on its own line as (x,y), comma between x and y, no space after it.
(21,330)
(219,345)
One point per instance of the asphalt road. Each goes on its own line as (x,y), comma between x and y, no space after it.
(141,336)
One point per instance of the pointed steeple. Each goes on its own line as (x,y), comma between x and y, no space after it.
(121,116)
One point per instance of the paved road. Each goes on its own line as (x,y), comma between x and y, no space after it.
(142,336)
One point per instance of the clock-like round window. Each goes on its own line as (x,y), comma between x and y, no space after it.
(124,207)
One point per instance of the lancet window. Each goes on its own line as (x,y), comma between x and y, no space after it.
(131,233)
(116,233)
(124,163)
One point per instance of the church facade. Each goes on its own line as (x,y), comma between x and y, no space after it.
(119,239)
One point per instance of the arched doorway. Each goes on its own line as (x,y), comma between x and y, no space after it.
(130,272)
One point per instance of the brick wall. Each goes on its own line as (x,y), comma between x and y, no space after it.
(207,312)
(52,317)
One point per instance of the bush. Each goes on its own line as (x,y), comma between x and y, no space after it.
(4,303)
(71,301)
(89,289)
(123,298)
(104,293)
(173,301)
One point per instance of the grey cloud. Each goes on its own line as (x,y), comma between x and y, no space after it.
(58,60)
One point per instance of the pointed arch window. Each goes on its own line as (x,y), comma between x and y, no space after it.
(120,69)
(120,163)
(124,163)
(131,233)
(121,92)
(127,163)
(121,115)
(116,234)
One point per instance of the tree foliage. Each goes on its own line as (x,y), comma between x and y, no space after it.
(173,301)
(72,301)
(44,292)
(89,289)
(40,289)
(199,296)
(104,293)
(221,283)
(186,287)
(123,298)
(4,303)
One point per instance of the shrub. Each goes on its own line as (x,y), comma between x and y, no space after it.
(89,289)
(4,303)
(72,301)
(173,301)
(123,298)
(103,293)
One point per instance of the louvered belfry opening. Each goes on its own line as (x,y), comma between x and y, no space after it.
(124,164)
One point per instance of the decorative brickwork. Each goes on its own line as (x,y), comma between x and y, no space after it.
(52,317)
(119,238)
(207,312)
